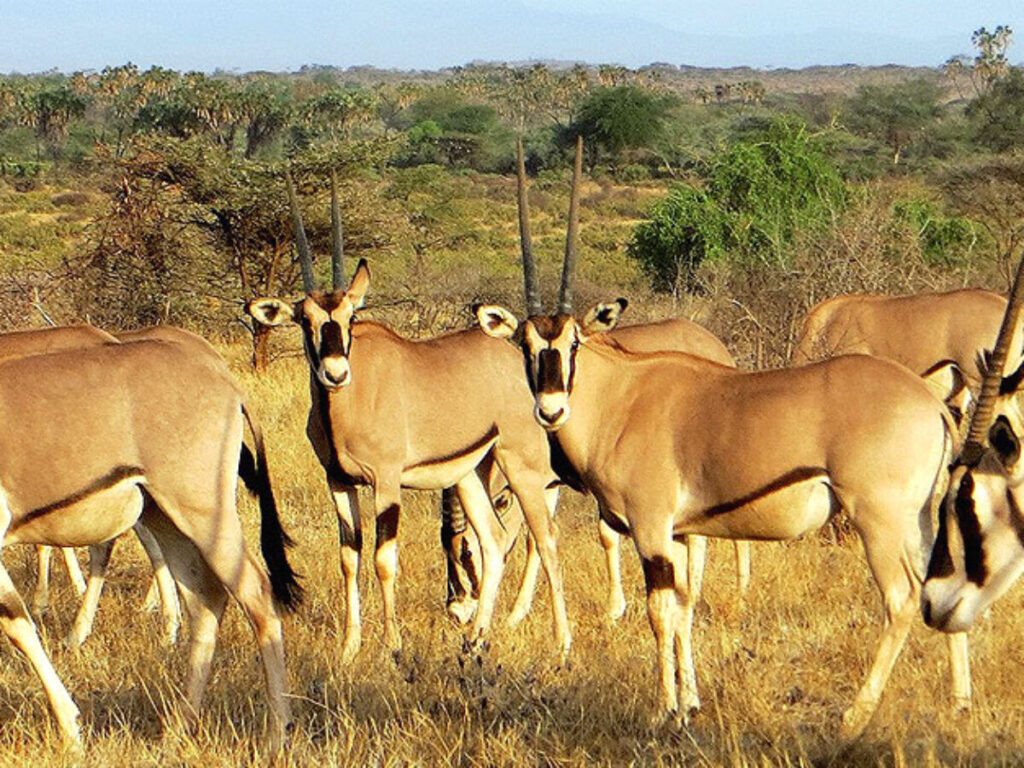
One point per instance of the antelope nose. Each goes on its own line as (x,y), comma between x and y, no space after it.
(337,379)
(551,418)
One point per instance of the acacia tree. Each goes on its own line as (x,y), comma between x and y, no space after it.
(617,119)
(204,227)
(894,114)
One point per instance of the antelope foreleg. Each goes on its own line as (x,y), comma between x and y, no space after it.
(694,555)
(611,541)
(385,560)
(477,503)
(18,626)
(662,613)
(960,670)
(350,536)
(99,557)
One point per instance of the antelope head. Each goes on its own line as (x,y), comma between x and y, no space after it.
(325,317)
(549,343)
(979,546)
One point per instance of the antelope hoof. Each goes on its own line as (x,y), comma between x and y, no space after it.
(40,608)
(351,649)
(475,645)
(515,618)
(171,633)
(75,638)
(462,610)
(667,720)
(616,610)
(962,705)
(855,720)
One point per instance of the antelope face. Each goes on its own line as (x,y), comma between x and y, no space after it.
(549,344)
(979,547)
(326,321)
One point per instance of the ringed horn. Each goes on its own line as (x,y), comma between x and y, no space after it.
(571,234)
(977,434)
(302,243)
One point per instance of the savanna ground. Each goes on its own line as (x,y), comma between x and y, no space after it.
(774,673)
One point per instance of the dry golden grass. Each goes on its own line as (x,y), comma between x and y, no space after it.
(774,674)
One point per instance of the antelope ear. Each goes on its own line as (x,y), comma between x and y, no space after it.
(496,321)
(1004,441)
(360,285)
(270,312)
(604,317)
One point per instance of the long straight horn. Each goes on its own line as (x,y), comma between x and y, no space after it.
(977,434)
(531,284)
(571,234)
(301,243)
(337,241)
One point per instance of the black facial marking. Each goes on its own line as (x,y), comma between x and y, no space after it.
(659,573)
(940,564)
(549,371)
(331,342)
(1004,441)
(1016,520)
(970,531)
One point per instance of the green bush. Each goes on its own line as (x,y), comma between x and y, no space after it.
(755,196)
(944,241)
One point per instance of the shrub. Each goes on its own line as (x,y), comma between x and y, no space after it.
(755,196)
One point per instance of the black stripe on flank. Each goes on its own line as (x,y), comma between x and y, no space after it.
(798,475)
(970,531)
(490,436)
(108,481)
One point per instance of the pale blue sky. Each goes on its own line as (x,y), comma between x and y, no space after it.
(205,34)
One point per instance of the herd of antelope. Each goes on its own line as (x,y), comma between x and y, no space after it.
(899,411)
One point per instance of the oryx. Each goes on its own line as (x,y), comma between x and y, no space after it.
(673,445)
(23,343)
(393,413)
(940,336)
(979,547)
(96,439)
(673,334)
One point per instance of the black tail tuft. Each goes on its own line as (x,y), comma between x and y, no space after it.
(248,471)
(274,541)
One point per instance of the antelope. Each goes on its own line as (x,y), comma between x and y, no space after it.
(23,343)
(666,335)
(979,546)
(162,590)
(940,336)
(392,413)
(164,432)
(673,334)
(672,445)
